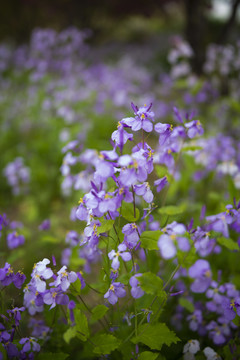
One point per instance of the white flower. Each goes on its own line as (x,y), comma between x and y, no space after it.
(192,346)
(211,354)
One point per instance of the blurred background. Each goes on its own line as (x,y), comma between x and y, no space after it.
(199,21)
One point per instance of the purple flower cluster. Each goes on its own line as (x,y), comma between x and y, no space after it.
(36,293)
(17,175)
(7,277)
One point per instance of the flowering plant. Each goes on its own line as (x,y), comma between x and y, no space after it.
(135,259)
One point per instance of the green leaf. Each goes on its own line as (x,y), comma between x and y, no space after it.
(50,355)
(149,239)
(155,336)
(81,325)
(75,288)
(98,312)
(186,304)
(151,283)
(192,148)
(50,239)
(148,355)
(70,334)
(171,210)
(105,344)
(106,225)
(228,243)
(127,212)
(186,259)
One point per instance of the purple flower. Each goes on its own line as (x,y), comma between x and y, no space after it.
(29,344)
(115,291)
(6,275)
(55,296)
(81,278)
(165,131)
(71,306)
(167,241)
(143,118)
(136,290)
(194,128)
(3,222)
(40,273)
(144,191)
(229,307)
(15,313)
(72,238)
(113,255)
(160,183)
(14,240)
(45,225)
(195,319)
(216,333)
(65,278)
(120,136)
(201,272)
(131,233)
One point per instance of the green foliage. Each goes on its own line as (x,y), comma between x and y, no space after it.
(104,344)
(106,225)
(155,336)
(70,334)
(55,355)
(171,210)
(151,284)
(227,243)
(98,312)
(148,355)
(127,211)
(82,329)
(149,239)
(186,304)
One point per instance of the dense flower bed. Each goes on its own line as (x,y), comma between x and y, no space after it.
(145,264)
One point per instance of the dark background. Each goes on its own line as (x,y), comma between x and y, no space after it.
(190,17)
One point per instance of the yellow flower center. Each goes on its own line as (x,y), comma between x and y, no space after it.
(121,191)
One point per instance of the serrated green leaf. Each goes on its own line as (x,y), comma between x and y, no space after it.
(105,344)
(228,243)
(148,355)
(50,355)
(70,334)
(170,210)
(151,283)
(149,239)
(186,304)
(127,211)
(98,312)
(155,336)
(81,325)
(106,225)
